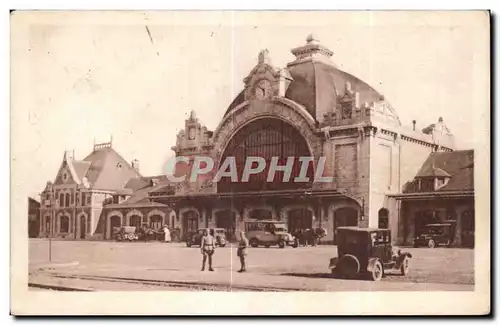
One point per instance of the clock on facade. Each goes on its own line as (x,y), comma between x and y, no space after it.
(262,89)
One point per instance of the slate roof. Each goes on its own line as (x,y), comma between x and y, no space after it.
(81,167)
(141,195)
(108,170)
(459,165)
(432,172)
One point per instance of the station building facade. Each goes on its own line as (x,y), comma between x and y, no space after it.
(308,108)
(90,197)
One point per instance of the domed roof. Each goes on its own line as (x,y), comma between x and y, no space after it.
(318,84)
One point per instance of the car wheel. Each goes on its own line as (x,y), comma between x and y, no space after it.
(295,243)
(267,246)
(377,271)
(188,244)
(254,242)
(349,266)
(431,243)
(281,244)
(405,267)
(222,245)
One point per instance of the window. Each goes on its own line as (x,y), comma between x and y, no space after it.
(383,218)
(77,199)
(89,199)
(427,185)
(67,199)
(64,224)
(61,199)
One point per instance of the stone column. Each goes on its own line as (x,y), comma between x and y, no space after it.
(459,210)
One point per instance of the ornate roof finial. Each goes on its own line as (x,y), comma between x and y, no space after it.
(264,57)
(192,115)
(440,119)
(311,39)
(313,50)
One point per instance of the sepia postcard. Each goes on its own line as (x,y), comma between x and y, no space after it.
(250,163)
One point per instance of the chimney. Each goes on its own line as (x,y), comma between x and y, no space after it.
(135,164)
(414,123)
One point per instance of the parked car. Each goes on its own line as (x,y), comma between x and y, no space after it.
(367,252)
(436,234)
(125,233)
(194,238)
(268,233)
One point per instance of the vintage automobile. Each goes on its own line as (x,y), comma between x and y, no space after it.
(367,252)
(268,233)
(436,234)
(195,237)
(125,233)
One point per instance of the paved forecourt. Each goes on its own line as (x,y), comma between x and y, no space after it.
(303,268)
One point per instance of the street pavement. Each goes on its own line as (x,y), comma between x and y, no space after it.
(84,265)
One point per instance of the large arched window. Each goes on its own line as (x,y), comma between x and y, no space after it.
(266,138)
(68,199)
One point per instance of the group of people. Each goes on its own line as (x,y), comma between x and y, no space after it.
(208,248)
(146,233)
(309,237)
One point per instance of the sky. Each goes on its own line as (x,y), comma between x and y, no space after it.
(84,77)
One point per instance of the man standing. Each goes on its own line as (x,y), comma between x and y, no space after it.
(242,251)
(207,249)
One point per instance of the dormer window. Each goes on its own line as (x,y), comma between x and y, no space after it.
(346,110)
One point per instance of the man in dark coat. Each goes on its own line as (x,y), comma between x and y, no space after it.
(242,251)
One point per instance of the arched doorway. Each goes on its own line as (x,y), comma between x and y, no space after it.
(383,218)
(344,217)
(135,221)
(115,223)
(266,138)
(83,226)
(155,222)
(64,224)
(261,214)
(299,219)
(227,219)
(189,222)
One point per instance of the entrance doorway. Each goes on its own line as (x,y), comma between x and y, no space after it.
(83,227)
(189,222)
(299,219)
(344,217)
(156,222)
(227,219)
(114,224)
